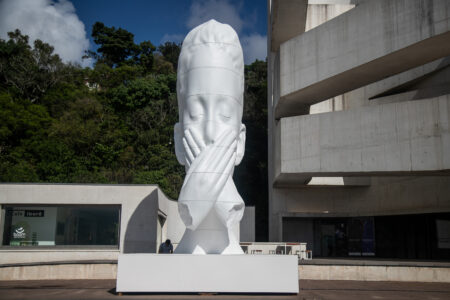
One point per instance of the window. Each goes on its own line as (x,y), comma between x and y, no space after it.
(61,225)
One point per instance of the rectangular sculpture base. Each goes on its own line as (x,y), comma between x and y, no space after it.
(178,273)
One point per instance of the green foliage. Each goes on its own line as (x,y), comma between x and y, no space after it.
(106,77)
(170,51)
(117,47)
(112,123)
(21,171)
(140,92)
(20,119)
(29,72)
(146,58)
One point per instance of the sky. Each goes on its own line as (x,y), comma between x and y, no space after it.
(67,24)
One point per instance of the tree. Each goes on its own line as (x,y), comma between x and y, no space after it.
(141,92)
(170,51)
(146,57)
(115,45)
(29,72)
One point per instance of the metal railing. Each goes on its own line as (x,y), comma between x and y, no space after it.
(287,248)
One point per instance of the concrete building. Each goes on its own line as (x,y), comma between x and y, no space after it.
(359,127)
(76,231)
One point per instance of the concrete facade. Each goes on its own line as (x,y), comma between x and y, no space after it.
(391,37)
(358,114)
(140,206)
(398,138)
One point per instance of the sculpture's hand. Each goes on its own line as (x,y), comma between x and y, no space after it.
(209,168)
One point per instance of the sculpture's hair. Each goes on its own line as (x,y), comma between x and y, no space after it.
(223,39)
(212,33)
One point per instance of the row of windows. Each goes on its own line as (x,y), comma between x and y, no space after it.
(61,225)
(418,236)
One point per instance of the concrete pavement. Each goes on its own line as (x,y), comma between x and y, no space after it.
(309,289)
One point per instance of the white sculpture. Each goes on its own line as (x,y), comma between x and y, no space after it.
(210,138)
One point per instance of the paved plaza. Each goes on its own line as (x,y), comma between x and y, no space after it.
(309,289)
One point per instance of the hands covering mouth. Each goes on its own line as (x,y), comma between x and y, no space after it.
(209,167)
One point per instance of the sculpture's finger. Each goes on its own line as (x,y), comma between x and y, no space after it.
(222,146)
(204,161)
(198,140)
(187,150)
(214,152)
(230,164)
(188,164)
(227,172)
(222,157)
(227,139)
(192,144)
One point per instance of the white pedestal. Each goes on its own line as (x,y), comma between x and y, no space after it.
(177,273)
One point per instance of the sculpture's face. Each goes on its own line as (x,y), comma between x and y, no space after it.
(209,113)
(212,103)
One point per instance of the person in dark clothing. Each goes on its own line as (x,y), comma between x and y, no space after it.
(166,247)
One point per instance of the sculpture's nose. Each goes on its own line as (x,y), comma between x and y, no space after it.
(210,132)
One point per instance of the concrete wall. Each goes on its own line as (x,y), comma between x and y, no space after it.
(391,37)
(406,137)
(312,272)
(287,20)
(318,12)
(373,63)
(174,225)
(409,85)
(374,273)
(386,196)
(140,206)
(60,272)
(25,256)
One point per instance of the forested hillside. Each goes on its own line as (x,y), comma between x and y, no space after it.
(112,123)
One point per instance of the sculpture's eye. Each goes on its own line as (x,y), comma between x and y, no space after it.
(225,117)
(194,108)
(195,116)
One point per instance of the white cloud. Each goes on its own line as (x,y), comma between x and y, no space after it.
(254,47)
(220,10)
(176,38)
(55,23)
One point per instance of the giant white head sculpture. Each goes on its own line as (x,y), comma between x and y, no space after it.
(210,137)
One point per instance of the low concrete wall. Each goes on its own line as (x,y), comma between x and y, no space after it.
(26,256)
(374,273)
(108,270)
(60,272)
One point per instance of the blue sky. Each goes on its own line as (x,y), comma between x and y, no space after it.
(68,24)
